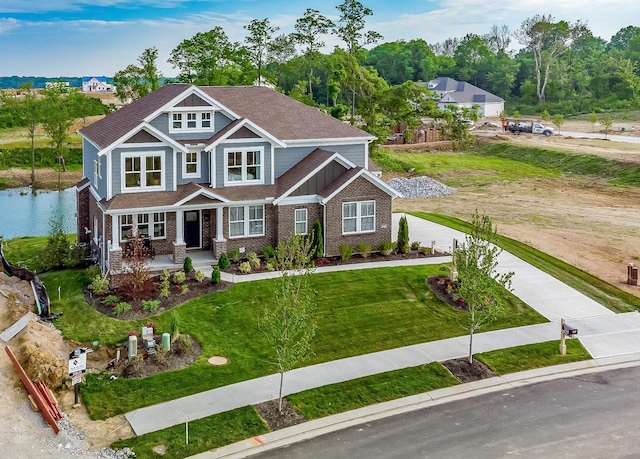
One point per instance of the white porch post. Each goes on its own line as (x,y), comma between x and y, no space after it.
(219,224)
(115,230)
(179,227)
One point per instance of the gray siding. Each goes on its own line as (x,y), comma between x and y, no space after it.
(89,155)
(220,169)
(116,164)
(161,123)
(286,158)
(203,157)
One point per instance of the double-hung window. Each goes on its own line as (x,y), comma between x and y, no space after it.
(358,217)
(159,225)
(126,227)
(191,167)
(246,221)
(301,221)
(244,166)
(177,121)
(205,119)
(142,171)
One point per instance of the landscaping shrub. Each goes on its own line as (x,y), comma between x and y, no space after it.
(317,242)
(100,284)
(164,288)
(179,277)
(150,305)
(254,261)
(111,300)
(269,253)
(386,248)
(93,271)
(403,235)
(215,275)
(364,249)
(174,327)
(121,308)
(164,276)
(187,265)
(182,344)
(415,245)
(223,261)
(235,254)
(345,251)
(245,267)
(199,275)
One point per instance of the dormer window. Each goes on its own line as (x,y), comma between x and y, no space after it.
(190,121)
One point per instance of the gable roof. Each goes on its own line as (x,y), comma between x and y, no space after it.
(281,116)
(461,91)
(348,177)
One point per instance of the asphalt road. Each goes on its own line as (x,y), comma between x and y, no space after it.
(594,416)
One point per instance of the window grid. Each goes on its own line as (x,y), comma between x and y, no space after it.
(140,224)
(246,221)
(244,166)
(301,221)
(358,217)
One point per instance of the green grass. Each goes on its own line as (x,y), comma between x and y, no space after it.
(204,434)
(360,311)
(521,358)
(619,173)
(349,395)
(461,169)
(593,287)
(44,157)
(21,251)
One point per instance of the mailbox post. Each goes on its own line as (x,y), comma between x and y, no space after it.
(563,346)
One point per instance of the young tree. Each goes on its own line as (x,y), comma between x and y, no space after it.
(403,235)
(136,81)
(484,290)
(27,112)
(289,323)
(455,124)
(558,121)
(260,36)
(58,118)
(606,122)
(545,116)
(593,119)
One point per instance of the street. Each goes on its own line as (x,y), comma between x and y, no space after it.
(593,415)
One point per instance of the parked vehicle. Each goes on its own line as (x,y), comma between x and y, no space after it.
(529,127)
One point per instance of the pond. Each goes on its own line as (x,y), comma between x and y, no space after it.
(25,214)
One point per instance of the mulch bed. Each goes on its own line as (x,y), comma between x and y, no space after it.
(465,372)
(176,298)
(275,420)
(439,286)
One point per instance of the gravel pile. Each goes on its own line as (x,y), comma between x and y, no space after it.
(419,187)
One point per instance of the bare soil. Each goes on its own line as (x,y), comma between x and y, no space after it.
(276,420)
(467,372)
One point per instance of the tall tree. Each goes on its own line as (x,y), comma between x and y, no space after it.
(499,38)
(547,41)
(260,37)
(136,81)
(27,111)
(484,290)
(309,30)
(58,118)
(289,322)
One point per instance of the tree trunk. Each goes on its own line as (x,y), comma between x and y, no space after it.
(280,392)
(470,359)
(33,158)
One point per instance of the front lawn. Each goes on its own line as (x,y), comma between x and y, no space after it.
(359,312)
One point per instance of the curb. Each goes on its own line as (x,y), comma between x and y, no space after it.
(318,427)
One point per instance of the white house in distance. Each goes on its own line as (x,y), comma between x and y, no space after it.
(96,84)
(463,94)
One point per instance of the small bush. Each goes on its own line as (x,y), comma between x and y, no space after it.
(93,271)
(269,253)
(165,275)
(164,289)
(270,267)
(223,261)
(184,288)
(235,254)
(387,247)
(182,344)
(215,275)
(403,235)
(199,275)
(174,327)
(100,284)
(187,265)
(110,300)
(245,267)
(179,277)
(121,308)
(425,250)
(345,251)
(415,245)
(150,305)
(254,261)
(364,249)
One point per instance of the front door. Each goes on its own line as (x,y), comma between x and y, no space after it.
(192,228)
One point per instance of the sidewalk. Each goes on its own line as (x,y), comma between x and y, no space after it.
(602,332)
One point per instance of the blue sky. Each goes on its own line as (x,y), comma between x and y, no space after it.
(99,37)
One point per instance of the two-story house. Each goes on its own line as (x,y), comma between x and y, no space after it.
(214,168)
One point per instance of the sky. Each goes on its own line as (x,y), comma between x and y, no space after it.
(55,38)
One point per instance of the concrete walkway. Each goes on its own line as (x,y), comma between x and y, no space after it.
(602,332)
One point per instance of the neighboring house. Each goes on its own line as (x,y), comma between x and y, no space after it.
(96,84)
(463,94)
(214,168)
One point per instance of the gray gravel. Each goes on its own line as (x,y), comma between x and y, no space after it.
(419,187)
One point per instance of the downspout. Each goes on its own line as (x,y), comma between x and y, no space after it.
(324,228)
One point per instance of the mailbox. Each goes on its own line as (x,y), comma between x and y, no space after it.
(569,330)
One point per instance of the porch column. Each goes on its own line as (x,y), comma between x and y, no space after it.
(179,227)
(115,230)
(115,251)
(219,244)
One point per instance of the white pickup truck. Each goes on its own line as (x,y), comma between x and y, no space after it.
(530,128)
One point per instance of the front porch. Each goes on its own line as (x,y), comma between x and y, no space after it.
(202,259)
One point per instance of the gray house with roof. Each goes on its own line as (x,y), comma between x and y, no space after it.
(215,168)
(463,94)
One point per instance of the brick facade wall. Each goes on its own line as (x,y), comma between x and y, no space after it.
(84,217)
(285,218)
(252,244)
(359,190)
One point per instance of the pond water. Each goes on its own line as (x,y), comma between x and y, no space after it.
(25,214)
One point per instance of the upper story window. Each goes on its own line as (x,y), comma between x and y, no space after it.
(191,164)
(190,121)
(244,165)
(97,170)
(358,217)
(142,171)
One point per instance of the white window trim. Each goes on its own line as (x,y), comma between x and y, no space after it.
(305,221)
(134,225)
(184,111)
(244,180)
(195,174)
(359,217)
(143,172)
(247,221)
